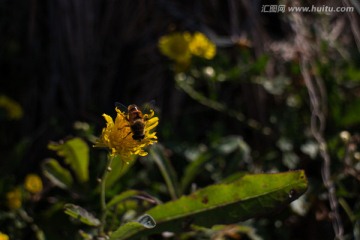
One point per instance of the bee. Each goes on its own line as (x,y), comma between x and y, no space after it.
(136,120)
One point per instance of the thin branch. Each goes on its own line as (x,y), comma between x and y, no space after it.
(354,21)
(318,100)
(317,127)
(220,107)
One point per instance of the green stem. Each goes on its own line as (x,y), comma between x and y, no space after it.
(102,196)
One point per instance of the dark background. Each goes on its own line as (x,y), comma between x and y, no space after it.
(71,60)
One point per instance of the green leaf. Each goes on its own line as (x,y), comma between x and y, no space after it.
(118,169)
(166,169)
(233,177)
(222,231)
(193,169)
(76,153)
(144,222)
(81,214)
(58,175)
(127,230)
(85,235)
(121,197)
(250,196)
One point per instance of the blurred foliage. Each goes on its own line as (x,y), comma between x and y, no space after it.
(243,198)
(245,111)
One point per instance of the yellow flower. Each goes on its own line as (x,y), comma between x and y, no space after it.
(176,46)
(13,109)
(117,136)
(33,183)
(201,46)
(3,236)
(14,199)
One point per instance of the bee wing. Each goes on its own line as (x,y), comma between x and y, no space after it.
(121,106)
(151,105)
(148,106)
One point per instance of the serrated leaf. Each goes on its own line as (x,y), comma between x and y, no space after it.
(81,214)
(250,196)
(58,175)
(76,153)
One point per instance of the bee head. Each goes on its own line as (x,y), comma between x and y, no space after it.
(133,107)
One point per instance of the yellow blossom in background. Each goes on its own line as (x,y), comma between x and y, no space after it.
(117,136)
(14,199)
(176,46)
(13,109)
(3,236)
(33,183)
(180,47)
(201,46)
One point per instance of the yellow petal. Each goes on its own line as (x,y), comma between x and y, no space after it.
(117,136)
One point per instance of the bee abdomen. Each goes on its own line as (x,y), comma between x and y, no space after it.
(138,130)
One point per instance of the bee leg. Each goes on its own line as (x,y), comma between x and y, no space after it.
(127,135)
(123,128)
